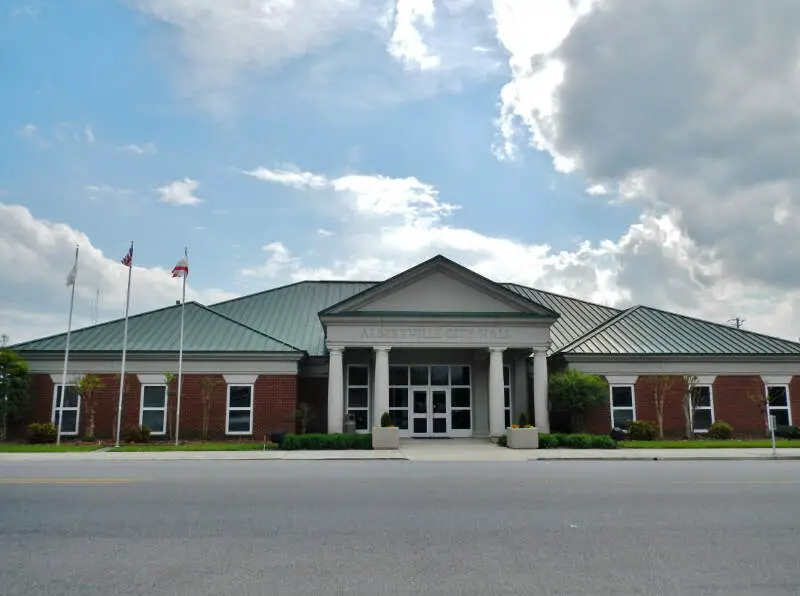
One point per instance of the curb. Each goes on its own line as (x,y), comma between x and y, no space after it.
(662,458)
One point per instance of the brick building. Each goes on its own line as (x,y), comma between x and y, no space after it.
(447,352)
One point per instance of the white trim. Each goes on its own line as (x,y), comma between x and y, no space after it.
(228,409)
(240,379)
(71,378)
(241,365)
(776,379)
(163,409)
(612,408)
(621,379)
(509,386)
(151,379)
(687,366)
(705,379)
(710,407)
(76,409)
(787,407)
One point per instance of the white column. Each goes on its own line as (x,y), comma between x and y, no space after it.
(381,391)
(541,413)
(497,418)
(335,390)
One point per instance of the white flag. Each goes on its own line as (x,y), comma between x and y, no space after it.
(72,274)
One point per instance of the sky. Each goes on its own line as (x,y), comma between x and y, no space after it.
(619,151)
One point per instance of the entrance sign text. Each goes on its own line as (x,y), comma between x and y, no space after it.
(437,333)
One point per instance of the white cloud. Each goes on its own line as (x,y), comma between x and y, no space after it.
(389,224)
(88,134)
(406,44)
(146,148)
(324,233)
(107,188)
(289,176)
(35,257)
(180,192)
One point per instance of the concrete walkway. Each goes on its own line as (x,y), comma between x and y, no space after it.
(461,450)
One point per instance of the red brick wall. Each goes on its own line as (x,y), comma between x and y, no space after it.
(731,404)
(314,392)
(275,399)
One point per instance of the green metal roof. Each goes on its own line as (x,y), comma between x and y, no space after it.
(291,313)
(159,331)
(642,330)
(578,317)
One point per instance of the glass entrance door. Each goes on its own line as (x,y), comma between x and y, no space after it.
(430,411)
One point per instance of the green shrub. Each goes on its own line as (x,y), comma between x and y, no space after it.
(603,442)
(42,432)
(576,393)
(386,420)
(323,441)
(787,432)
(502,441)
(136,434)
(642,430)
(720,430)
(548,441)
(578,441)
(523,420)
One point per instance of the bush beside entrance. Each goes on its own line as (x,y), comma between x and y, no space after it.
(326,442)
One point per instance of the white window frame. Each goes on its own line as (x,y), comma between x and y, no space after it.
(142,408)
(507,388)
(229,409)
(770,407)
(613,408)
(348,386)
(710,407)
(76,409)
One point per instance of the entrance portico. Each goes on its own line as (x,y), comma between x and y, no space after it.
(437,372)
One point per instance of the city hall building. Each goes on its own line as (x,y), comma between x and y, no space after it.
(447,352)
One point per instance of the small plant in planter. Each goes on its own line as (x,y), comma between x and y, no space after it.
(387,435)
(522,435)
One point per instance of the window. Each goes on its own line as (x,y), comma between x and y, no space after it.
(702,408)
(460,398)
(398,396)
(153,411)
(358,394)
(623,405)
(507,394)
(70,410)
(777,404)
(239,413)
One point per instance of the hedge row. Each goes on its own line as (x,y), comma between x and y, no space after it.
(577,441)
(323,441)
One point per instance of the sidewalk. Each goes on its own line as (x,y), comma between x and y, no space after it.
(420,452)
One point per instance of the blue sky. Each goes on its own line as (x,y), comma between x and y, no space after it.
(106,102)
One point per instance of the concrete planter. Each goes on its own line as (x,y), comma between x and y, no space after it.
(384,437)
(523,438)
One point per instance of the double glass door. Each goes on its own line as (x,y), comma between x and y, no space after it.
(430,408)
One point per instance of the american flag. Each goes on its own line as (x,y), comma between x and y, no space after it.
(127,260)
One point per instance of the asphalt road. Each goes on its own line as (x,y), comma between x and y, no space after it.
(278,528)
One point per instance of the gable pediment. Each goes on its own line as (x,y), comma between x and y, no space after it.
(439,287)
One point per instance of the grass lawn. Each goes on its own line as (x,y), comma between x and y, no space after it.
(707,444)
(197,447)
(46,448)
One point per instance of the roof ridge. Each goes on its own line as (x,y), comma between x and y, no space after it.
(261,333)
(582,300)
(721,325)
(284,286)
(600,328)
(103,324)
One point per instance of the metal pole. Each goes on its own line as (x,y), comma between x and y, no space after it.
(180,352)
(60,410)
(124,350)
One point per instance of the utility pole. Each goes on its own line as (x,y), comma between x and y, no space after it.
(3,340)
(737,322)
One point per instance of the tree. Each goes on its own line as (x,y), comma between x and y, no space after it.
(757,393)
(170,381)
(690,382)
(87,387)
(13,389)
(126,394)
(304,415)
(207,387)
(662,385)
(576,392)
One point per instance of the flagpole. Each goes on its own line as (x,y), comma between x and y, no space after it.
(66,354)
(180,351)
(124,348)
